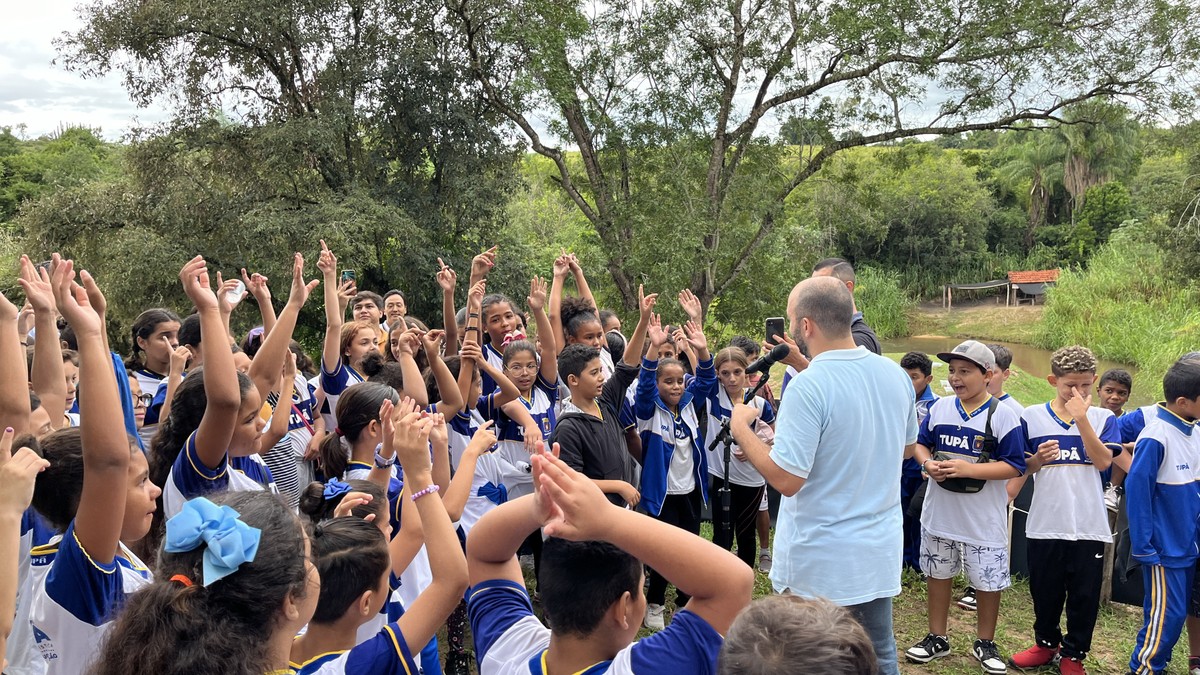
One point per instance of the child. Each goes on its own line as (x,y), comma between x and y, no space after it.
(763,520)
(1162,496)
(355,566)
(1114,388)
(155,335)
(1070,442)
(746,485)
(1004,359)
(784,634)
(592,585)
(675,466)
(589,431)
(353,445)
(345,345)
(962,529)
(96,493)
(211,442)
(18,470)
(919,367)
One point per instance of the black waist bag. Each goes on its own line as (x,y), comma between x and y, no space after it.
(973,485)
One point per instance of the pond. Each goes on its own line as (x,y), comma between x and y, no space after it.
(1032,360)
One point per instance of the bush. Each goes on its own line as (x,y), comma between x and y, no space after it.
(885,305)
(1125,308)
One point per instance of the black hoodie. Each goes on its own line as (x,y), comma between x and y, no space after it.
(593,446)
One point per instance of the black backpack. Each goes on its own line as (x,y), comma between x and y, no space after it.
(973,485)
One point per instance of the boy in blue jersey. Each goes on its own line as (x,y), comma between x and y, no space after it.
(964,518)
(1068,524)
(919,367)
(591,585)
(1162,497)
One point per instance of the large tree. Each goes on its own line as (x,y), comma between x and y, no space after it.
(668,102)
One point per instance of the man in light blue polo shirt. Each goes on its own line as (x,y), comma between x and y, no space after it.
(846,422)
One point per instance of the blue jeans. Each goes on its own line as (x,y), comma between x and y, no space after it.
(876,618)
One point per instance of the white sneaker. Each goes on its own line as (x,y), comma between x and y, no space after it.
(1112,497)
(654,617)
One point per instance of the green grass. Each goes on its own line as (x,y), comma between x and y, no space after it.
(984,321)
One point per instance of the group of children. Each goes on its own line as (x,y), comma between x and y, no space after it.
(212,504)
(976,450)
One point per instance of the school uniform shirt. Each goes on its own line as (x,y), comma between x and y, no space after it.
(156,385)
(334,384)
(510,640)
(1162,495)
(189,477)
(495,359)
(460,429)
(980,518)
(1068,503)
(487,489)
(1131,424)
(388,613)
(384,654)
(666,435)
(510,436)
(1011,402)
(741,472)
(77,599)
(21,653)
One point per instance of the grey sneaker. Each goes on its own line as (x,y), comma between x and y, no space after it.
(764,563)
(928,649)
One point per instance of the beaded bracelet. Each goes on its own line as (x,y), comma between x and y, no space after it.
(427,491)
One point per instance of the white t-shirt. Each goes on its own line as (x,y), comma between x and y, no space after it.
(950,432)
(741,471)
(189,477)
(681,478)
(1068,502)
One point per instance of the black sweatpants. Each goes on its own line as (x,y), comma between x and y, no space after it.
(1065,573)
(682,511)
(743,510)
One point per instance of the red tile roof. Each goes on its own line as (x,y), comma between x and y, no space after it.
(1033,277)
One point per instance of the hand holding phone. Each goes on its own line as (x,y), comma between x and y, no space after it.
(774,330)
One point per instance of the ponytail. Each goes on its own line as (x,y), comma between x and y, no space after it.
(318,505)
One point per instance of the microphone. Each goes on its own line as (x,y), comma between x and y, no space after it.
(764,362)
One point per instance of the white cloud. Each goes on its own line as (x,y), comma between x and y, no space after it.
(44,96)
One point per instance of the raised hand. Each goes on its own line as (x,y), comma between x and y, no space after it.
(646,302)
(562,265)
(299,291)
(580,509)
(537,294)
(351,500)
(73,301)
(194,277)
(446,277)
(658,336)
(95,295)
(547,511)
(431,341)
(18,471)
(573,261)
(483,440)
(327,263)
(257,286)
(224,288)
(409,341)
(471,350)
(695,335)
(795,358)
(35,281)
(179,358)
(483,263)
(411,443)
(691,305)
(289,365)
(345,291)
(475,295)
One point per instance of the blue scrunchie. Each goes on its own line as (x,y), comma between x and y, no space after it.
(229,542)
(498,494)
(335,488)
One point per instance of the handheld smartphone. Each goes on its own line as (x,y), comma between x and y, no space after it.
(774,328)
(234,295)
(349,275)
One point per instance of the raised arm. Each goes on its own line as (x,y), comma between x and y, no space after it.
(179,359)
(14,401)
(717,581)
(448,281)
(281,416)
(331,353)
(273,354)
(226,305)
(220,375)
(452,399)
(481,266)
(431,608)
(633,348)
(48,376)
(546,339)
(581,284)
(562,267)
(106,450)
(414,385)
(1100,454)
(256,284)
(18,471)
(455,497)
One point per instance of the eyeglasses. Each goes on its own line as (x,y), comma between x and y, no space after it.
(143,400)
(518,367)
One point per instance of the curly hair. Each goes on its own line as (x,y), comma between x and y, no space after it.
(1073,359)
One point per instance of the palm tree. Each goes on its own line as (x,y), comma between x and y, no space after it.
(1036,160)
(1101,144)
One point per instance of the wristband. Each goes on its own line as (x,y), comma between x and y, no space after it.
(382,462)
(427,491)
(473,314)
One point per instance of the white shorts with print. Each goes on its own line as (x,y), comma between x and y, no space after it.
(986,567)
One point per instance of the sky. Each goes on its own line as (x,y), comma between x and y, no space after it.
(44,96)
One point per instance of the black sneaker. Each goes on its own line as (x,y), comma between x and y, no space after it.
(932,647)
(967,601)
(988,656)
